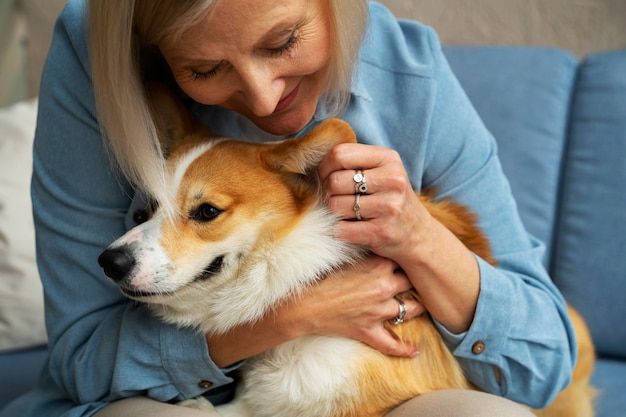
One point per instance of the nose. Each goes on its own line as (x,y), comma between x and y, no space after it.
(116,263)
(262,89)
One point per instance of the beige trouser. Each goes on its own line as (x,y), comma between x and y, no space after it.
(450,403)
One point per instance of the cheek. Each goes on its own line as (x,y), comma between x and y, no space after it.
(314,63)
(314,53)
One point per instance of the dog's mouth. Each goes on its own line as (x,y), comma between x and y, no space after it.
(214,268)
(135,294)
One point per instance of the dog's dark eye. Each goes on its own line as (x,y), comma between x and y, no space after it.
(205,213)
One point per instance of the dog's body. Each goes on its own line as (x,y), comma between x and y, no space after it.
(251,230)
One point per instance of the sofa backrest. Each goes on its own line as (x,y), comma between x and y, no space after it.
(561,133)
(589,263)
(523,96)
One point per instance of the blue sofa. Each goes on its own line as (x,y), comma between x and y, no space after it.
(561,130)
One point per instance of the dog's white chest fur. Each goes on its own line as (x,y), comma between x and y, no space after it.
(310,376)
(304,377)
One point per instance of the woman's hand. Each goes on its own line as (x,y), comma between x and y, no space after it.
(353,303)
(389,218)
(393,219)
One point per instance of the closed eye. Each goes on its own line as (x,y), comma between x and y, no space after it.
(291,42)
(204,75)
(287,46)
(205,213)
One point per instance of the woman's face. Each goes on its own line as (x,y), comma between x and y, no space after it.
(265,59)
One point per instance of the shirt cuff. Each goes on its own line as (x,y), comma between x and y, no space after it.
(480,348)
(186,359)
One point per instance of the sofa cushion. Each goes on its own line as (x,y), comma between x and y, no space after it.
(590,261)
(523,96)
(609,379)
(21,298)
(20,371)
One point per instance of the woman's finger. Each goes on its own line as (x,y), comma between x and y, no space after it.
(349,182)
(345,207)
(385,342)
(347,156)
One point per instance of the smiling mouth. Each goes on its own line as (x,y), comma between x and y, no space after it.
(286,101)
(214,268)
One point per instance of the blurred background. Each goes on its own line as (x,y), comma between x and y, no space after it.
(580,26)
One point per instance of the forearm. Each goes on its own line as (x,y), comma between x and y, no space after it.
(445,275)
(353,303)
(250,339)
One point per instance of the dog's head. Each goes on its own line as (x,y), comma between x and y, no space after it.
(248,226)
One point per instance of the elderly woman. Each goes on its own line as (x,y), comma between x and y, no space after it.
(262,70)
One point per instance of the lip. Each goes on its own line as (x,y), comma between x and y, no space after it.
(286,101)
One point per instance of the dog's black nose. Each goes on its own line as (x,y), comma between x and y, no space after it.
(117,263)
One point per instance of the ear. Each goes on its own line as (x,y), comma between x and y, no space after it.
(303,155)
(171,117)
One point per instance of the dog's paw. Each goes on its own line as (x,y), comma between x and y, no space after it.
(198,403)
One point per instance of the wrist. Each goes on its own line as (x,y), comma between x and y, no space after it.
(446,275)
(279,325)
(288,317)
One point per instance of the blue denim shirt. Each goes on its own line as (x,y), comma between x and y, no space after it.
(104,347)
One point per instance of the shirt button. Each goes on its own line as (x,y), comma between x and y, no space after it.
(205,384)
(478,348)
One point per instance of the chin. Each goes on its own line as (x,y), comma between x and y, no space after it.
(283,124)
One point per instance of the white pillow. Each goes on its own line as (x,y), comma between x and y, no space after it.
(21,295)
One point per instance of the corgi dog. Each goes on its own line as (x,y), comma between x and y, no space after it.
(249,229)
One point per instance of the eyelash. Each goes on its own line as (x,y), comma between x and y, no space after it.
(291,42)
(274,52)
(200,76)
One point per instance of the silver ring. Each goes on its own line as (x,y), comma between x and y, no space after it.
(360,186)
(357,206)
(400,318)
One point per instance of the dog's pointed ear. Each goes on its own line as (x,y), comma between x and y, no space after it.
(170,116)
(303,155)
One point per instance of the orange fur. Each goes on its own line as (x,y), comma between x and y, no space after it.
(435,368)
(277,174)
